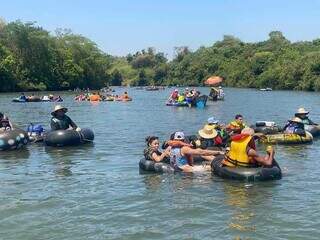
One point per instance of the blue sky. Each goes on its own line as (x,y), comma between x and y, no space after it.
(120,27)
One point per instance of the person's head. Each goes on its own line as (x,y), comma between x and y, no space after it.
(125,92)
(176,90)
(239,118)
(208,132)
(220,87)
(302,113)
(247,131)
(22,94)
(212,121)
(179,136)
(59,111)
(153,142)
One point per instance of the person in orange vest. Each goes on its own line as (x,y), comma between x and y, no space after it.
(236,125)
(243,151)
(95,97)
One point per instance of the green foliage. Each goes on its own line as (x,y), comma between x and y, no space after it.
(33,59)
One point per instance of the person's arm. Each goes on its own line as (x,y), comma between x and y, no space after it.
(199,151)
(311,122)
(263,160)
(72,124)
(10,124)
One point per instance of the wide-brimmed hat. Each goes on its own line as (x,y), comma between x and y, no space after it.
(178,136)
(296,119)
(57,108)
(208,132)
(248,131)
(302,111)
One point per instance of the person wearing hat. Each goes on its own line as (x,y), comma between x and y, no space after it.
(5,123)
(296,126)
(209,137)
(60,121)
(214,94)
(303,115)
(181,156)
(243,152)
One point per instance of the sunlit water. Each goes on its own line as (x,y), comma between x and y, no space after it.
(96,191)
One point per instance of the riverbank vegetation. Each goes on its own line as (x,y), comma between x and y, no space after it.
(33,59)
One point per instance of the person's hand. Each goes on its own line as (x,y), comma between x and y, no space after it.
(167,151)
(78,129)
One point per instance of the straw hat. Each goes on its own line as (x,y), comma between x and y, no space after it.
(296,119)
(57,108)
(208,132)
(302,111)
(248,131)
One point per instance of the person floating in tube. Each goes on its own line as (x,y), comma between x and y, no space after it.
(60,121)
(243,153)
(303,115)
(236,125)
(5,123)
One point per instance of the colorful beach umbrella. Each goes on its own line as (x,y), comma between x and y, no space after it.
(213,80)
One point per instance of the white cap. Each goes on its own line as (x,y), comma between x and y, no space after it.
(178,136)
(212,120)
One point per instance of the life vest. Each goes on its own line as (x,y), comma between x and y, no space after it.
(181,99)
(235,124)
(178,144)
(95,98)
(238,155)
(62,123)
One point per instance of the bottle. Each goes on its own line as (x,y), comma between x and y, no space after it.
(269,149)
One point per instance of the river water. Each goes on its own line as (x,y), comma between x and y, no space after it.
(96,191)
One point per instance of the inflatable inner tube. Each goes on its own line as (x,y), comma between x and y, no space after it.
(266,127)
(246,174)
(19,100)
(284,138)
(62,138)
(33,99)
(13,139)
(313,129)
(155,167)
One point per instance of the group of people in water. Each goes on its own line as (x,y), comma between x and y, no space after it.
(187,96)
(98,96)
(235,141)
(33,98)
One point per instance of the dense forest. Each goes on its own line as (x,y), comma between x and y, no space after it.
(32,58)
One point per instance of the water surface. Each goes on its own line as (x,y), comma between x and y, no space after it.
(96,191)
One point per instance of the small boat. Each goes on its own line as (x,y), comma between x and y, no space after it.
(265,89)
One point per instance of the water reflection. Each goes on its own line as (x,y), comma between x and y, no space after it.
(15,156)
(63,159)
(239,201)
